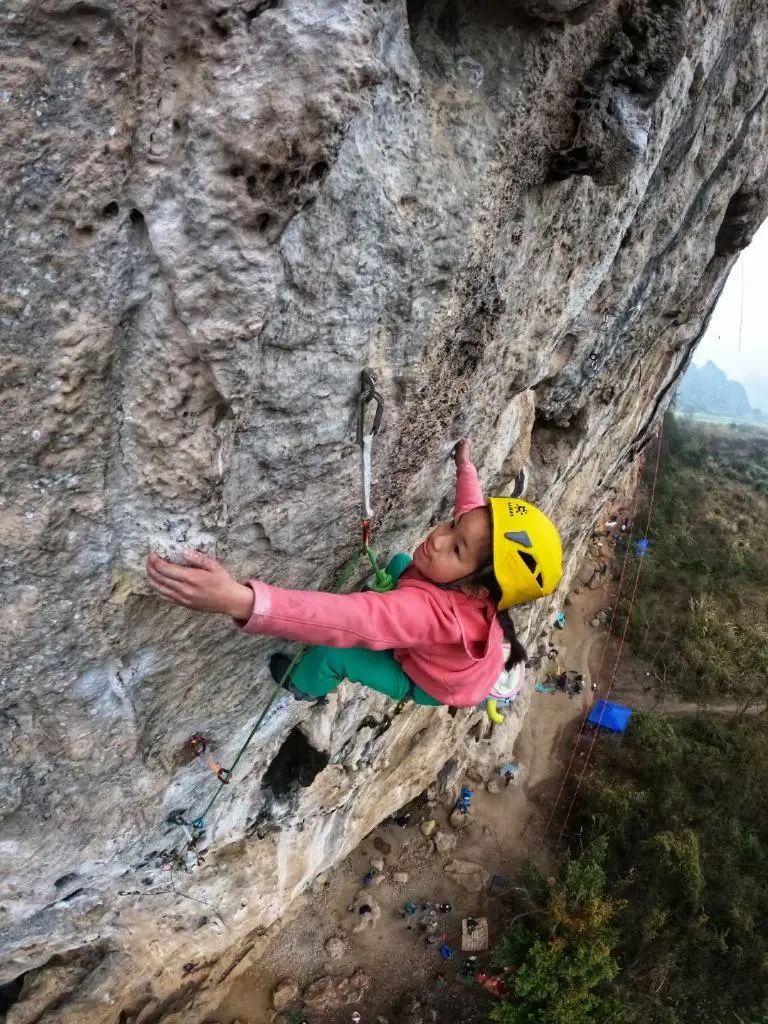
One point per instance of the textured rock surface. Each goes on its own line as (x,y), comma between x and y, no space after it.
(519,214)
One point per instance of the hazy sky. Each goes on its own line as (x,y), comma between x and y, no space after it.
(721,342)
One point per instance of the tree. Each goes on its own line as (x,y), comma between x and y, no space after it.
(559,956)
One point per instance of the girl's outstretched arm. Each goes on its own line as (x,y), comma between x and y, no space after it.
(407,617)
(411,617)
(468,492)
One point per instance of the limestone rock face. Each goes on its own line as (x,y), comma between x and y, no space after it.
(214,214)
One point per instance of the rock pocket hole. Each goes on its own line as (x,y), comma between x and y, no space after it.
(318,170)
(262,222)
(110,210)
(65,880)
(10,992)
(296,765)
(138,225)
(72,895)
(257,9)
(218,25)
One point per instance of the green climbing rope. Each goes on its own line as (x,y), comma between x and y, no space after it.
(382,582)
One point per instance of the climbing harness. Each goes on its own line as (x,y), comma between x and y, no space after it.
(505,692)
(382,582)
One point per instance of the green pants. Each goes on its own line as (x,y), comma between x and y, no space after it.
(322,668)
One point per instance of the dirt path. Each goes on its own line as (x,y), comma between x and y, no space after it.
(635,687)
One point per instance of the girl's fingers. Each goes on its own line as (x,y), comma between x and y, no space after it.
(199,560)
(165,586)
(170,571)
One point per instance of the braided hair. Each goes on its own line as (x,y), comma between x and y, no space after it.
(484,577)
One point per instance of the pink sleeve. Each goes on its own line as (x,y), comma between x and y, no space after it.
(409,617)
(468,492)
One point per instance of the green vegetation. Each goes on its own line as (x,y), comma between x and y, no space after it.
(561,948)
(701,612)
(659,914)
(663,918)
(682,806)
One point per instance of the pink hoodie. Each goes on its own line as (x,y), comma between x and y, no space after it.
(447,643)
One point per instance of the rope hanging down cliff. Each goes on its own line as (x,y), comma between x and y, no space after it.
(612,680)
(381,583)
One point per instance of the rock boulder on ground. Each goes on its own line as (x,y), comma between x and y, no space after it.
(329,993)
(470,876)
(445,842)
(459,820)
(284,993)
(336,947)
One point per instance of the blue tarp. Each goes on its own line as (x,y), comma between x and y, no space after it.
(613,717)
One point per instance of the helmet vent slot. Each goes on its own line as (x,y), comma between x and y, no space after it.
(530,561)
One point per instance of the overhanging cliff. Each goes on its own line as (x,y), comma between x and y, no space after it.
(519,214)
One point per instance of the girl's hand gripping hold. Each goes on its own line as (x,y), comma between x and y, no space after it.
(202,583)
(461,452)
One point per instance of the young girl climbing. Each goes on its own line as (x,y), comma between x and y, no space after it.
(436,638)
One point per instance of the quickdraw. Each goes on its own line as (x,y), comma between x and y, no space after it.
(368,394)
(197,744)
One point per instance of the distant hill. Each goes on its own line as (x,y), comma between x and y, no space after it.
(757,390)
(706,390)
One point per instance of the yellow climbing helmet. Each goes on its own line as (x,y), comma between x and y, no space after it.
(527,553)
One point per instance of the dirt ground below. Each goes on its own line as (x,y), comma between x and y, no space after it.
(506,829)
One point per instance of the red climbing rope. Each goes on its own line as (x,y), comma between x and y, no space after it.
(621,644)
(598,674)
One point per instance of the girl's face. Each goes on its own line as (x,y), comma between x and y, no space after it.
(456,549)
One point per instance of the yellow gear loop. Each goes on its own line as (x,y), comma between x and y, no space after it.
(493,712)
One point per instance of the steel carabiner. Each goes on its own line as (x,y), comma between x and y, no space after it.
(368,394)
